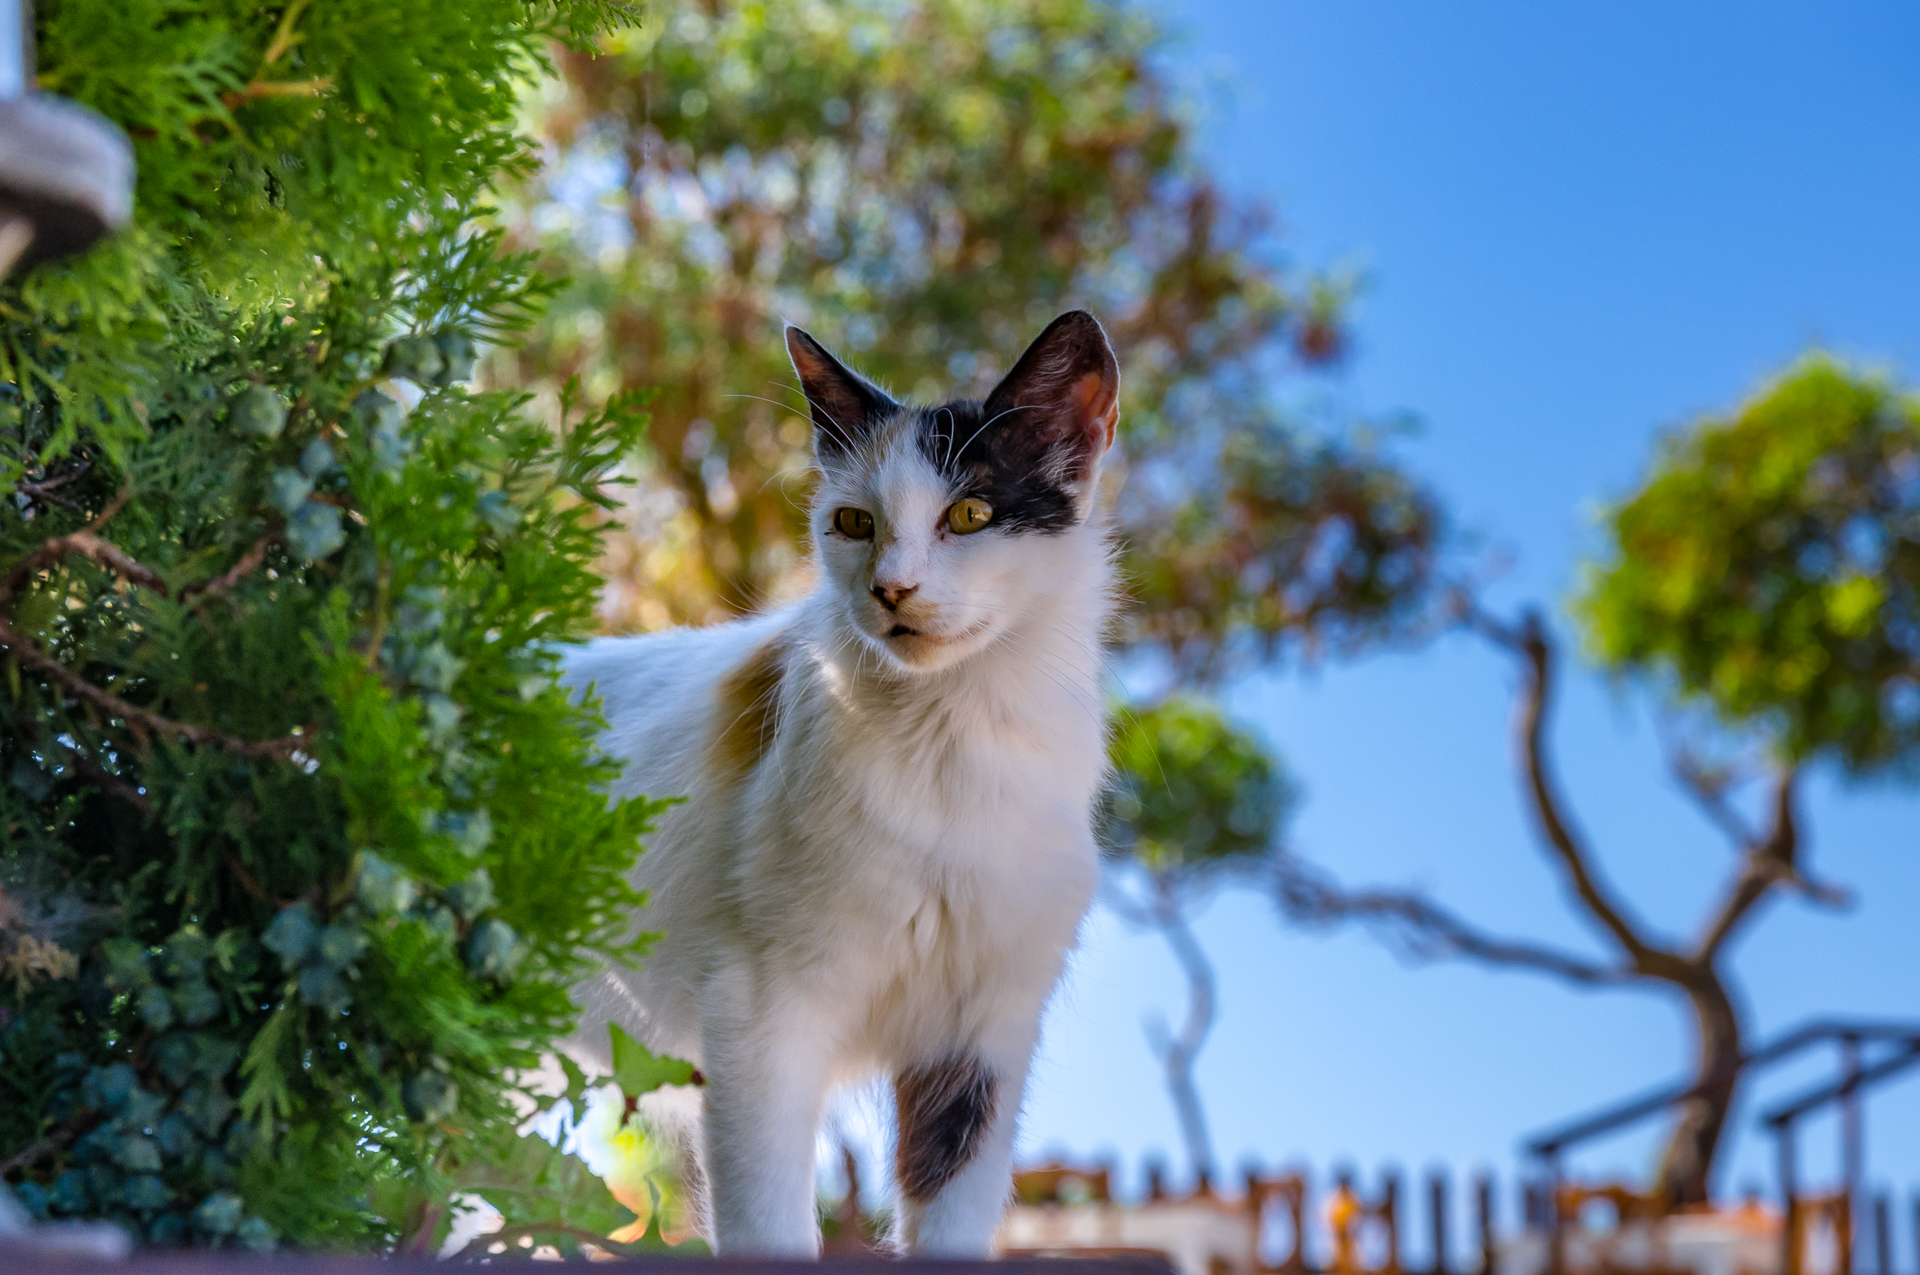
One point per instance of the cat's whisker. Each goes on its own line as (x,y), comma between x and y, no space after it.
(953,427)
(1089,705)
(839,430)
(1017,407)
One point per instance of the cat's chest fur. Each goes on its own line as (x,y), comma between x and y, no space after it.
(940,823)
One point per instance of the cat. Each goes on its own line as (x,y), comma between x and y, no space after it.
(887,846)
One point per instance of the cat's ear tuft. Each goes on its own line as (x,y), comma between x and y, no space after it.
(1064,393)
(845,405)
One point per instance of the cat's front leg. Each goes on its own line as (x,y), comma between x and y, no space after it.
(766,1062)
(954,1153)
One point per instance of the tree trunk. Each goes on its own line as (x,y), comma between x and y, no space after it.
(1177,1053)
(1686,1166)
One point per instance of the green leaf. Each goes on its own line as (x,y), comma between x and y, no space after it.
(639,1070)
(266,1097)
(535,1184)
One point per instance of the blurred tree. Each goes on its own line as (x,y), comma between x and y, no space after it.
(1197,803)
(925,183)
(1770,568)
(1767,571)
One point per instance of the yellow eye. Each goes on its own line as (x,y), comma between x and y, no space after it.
(854,523)
(968,516)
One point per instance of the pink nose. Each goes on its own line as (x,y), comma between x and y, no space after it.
(892,595)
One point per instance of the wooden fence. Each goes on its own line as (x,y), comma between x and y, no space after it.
(1390,1226)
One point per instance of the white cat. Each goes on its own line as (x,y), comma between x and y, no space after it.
(887,846)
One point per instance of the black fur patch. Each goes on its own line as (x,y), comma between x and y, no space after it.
(996,461)
(944,1110)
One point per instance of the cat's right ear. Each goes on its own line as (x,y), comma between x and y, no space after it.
(845,405)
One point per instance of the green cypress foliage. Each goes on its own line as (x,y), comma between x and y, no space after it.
(303,844)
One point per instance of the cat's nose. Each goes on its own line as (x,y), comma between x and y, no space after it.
(892,595)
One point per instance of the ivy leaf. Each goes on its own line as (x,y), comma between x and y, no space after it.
(639,1070)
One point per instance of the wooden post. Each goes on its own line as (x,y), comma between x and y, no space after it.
(1297,1206)
(1789,1204)
(1437,1201)
(1852,1147)
(1483,1211)
(1556,1250)
(1390,1216)
(1843,1224)
(1256,1205)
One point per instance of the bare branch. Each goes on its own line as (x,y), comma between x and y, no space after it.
(1177,1053)
(1528,642)
(83,762)
(44,488)
(220,585)
(139,720)
(89,545)
(1425,930)
(1821,893)
(80,544)
(107,781)
(40,1150)
(1708,785)
(1117,900)
(1767,864)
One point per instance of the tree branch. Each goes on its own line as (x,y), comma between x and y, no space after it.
(139,720)
(1528,642)
(220,585)
(89,545)
(1768,863)
(1177,1053)
(40,1150)
(44,488)
(108,781)
(81,761)
(1426,931)
(86,545)
(1707,786)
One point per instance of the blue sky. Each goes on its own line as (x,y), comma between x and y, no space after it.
(1582,224)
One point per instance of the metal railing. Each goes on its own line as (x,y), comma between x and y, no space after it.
(1851,1037)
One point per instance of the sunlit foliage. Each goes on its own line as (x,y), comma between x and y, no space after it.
(1770,567)
(1195,797)
(924,183)
(285,774)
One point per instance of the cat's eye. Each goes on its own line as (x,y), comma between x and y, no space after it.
(969,515)
(854,523)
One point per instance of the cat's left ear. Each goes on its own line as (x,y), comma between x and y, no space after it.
(845,405)
(1064,394)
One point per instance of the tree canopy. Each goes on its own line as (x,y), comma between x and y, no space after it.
(924,185)
(1194,796)
(1769,567)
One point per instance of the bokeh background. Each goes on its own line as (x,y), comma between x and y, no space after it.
(1414,290)
(1579,226)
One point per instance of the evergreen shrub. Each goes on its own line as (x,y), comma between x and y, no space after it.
(303,843)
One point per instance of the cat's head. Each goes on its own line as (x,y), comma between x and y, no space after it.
(940,528)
